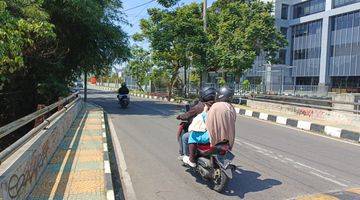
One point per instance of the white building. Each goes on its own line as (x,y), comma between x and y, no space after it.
(324,42)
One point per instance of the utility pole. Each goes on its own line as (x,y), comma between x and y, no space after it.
(85,85)
(205,28)
(204,14)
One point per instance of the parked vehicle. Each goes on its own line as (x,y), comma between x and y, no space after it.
(213,163)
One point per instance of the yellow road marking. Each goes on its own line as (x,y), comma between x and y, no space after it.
(354,190)
(317,197)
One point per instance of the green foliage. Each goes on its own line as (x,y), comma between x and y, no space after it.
(174,36)
(194,78)
(24,27)
(140,65)
(46,44)
(239,31)
(221,81)
(167,3)
(246,85)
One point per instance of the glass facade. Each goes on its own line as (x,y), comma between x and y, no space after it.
(284,11)
(345,45)
(308,8)
(339,3)
(306,49)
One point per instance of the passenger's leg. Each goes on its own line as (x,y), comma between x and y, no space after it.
(185,144)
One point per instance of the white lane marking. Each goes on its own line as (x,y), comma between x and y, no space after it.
(104,135)
(333,131)
(304,125)
(263,116)
(329,179)
(249,113)
(105,147)
(281,120)
(129,191)
(298,165)
(107,167)
(103,126)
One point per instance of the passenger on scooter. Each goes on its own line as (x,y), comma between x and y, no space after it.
(221,118)
(198,133)
(181,136)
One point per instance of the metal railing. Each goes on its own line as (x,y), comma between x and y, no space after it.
(13,126)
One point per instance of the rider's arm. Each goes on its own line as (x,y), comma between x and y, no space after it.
(195,110)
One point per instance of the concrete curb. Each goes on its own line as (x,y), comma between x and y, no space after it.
(109,187)
(303,125)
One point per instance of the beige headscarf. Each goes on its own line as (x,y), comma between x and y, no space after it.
(220,123)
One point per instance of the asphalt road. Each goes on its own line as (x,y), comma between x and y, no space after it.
(273,162)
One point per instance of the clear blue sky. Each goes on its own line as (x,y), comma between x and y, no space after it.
(133,16)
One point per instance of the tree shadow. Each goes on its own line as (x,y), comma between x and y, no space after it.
(137,106)
(243,182)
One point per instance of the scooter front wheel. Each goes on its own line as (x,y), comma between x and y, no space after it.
(220,180)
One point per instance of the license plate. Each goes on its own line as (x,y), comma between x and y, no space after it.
(226,159)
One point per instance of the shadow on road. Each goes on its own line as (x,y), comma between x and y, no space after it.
(243,182)
(136,107)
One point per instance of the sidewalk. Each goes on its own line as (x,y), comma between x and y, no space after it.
(78,169)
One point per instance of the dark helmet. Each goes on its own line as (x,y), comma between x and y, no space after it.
(207,94)
(123,84)
(225,94)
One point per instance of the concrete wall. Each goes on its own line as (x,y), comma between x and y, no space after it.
(20,172)
(350,98)
(344,118)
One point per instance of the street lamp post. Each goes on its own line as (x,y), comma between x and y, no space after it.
(204,14)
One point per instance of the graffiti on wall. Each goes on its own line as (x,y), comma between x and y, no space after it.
(22,178)
(310,112)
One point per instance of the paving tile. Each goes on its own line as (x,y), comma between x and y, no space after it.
(76,170)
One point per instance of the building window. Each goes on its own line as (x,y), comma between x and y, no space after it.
(308,8)
(345,45)
(283,31)
(282,56)
(306,49)
(284,11)
(339,3)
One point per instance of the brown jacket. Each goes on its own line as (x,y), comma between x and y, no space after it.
(195,110)
(220,123)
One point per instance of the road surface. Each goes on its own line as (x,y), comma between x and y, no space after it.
(273,162)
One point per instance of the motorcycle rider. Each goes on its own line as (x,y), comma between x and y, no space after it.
(123,90)
(207,97)
(221,118)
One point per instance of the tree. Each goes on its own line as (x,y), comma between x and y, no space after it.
(238,31)
(139,66)
(167,3)
(46,44)
(173,36)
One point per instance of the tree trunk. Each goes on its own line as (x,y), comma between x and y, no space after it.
(139,85)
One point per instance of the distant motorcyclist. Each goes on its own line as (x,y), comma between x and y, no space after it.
(123,90)
(221,118)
